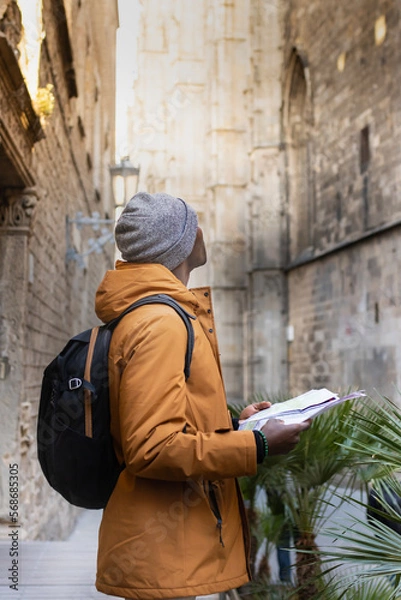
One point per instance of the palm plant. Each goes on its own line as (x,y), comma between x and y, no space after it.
(371,550)
(306,481)
(315,470)
(379,589)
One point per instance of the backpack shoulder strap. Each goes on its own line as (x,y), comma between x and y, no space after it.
(185,316)
(87,378)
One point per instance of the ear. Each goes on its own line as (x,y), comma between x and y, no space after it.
(198,256)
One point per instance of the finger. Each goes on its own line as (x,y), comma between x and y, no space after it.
(261,405)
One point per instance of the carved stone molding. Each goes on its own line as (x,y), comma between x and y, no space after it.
(16,210)
(11,24)
(17,99)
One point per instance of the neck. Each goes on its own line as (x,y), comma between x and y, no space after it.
(182,272)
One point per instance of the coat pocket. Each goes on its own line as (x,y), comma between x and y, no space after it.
(213,494)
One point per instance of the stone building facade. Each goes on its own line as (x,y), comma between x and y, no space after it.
(343,125)
(57,124)
(206,126)
(279,121)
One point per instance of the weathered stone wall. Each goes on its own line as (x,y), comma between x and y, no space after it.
(346,311)
(265,361)
(344,112)
(46,294)
(206,125)
(279,122)
(167,132)
(227,177)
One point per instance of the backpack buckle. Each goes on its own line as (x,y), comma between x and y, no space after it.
(74,383)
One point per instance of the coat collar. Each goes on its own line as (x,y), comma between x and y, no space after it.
(129,282)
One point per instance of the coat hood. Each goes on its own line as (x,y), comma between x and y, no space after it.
(129,282)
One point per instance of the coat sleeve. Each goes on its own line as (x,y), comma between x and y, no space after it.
(152,410)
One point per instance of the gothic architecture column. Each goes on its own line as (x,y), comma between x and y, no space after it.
(265,364)
(228,174)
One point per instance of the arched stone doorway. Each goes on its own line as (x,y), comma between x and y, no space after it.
(297,120)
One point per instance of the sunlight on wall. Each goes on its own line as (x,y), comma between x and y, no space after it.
(127,39)
(30,44)
(380,30)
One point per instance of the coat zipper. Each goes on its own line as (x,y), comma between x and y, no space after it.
(215,510)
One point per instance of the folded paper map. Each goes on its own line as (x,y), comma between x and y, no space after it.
(296,410)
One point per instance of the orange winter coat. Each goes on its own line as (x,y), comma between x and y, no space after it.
(174,525)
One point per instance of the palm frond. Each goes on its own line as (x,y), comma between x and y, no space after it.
(380,588)
(377,433)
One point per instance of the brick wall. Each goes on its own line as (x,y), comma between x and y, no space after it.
(345,306)
(45,298)
(346,312)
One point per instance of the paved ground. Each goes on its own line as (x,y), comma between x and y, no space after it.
(56,570)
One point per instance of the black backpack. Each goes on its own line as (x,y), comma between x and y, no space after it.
(74,443)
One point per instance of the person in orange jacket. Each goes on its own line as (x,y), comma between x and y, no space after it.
(174,526)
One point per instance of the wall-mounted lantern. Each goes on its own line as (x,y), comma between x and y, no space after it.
(125,179)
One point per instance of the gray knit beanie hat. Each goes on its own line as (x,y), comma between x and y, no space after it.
(156,228)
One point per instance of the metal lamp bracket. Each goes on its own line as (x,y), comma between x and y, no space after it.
(95,244)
